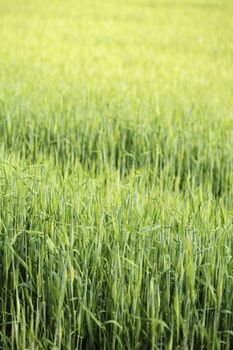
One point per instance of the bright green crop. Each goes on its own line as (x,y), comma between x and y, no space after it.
(116,174)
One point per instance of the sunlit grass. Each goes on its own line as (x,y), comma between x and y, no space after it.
(116,174)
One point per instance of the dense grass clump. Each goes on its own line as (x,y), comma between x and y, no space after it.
(116,175)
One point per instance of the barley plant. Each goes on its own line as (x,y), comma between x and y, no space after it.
(116,174)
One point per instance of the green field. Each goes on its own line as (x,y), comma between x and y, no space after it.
(116,174)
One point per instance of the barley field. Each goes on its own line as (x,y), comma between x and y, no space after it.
(116,174)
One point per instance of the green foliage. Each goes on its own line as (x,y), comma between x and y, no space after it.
(116,174)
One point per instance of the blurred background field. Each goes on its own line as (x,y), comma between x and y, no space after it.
(116,174)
